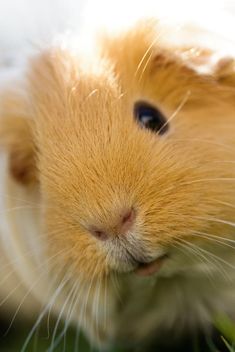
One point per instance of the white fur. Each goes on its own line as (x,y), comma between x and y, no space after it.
(21,251)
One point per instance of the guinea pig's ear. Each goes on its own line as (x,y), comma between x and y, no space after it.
(208,62)
(16,138)
(225,71)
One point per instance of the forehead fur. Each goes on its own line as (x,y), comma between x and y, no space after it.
(72,96)
(132,61)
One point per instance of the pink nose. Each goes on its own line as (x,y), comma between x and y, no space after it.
(122,226)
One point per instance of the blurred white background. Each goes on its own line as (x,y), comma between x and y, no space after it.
(25,22)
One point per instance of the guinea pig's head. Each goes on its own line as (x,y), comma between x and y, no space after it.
(134,150)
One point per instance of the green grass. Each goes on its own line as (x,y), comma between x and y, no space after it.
(226,327)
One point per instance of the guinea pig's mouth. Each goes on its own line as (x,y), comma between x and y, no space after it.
(150,268)
(126,259)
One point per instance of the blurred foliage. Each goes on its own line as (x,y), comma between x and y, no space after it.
(74,341)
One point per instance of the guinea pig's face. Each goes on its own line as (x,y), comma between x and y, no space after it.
(134,155)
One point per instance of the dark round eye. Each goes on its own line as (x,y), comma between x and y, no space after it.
(150,117)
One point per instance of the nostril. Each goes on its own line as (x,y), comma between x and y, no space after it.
(127,220)
(128,217)
(100,235)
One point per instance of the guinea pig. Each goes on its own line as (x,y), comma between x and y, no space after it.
(118,189)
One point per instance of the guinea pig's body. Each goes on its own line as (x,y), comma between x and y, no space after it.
(123,228)
(17,250)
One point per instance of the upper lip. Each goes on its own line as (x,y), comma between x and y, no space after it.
(141,263)
(137,260)
(133,260)
(148,262)
(150,268)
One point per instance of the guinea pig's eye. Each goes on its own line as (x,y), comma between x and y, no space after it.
(150,117)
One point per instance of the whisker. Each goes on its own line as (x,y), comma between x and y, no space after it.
(189,252)
(223,203)
(20,305)
(29,253)
(55,341)
(207,141)
(213,257)
(115,283)
(78,334)
(221,221)
(196,252)
(217,258)
(146,64)
(96,303)
(21,282)
(41,316)
(210,180)
(105,301)
(48,323)
(19,208)
(223,161)
(6,195)
(214,238)
(11,272)
(175,113)
(73,305)
(145,55)
(84,314)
